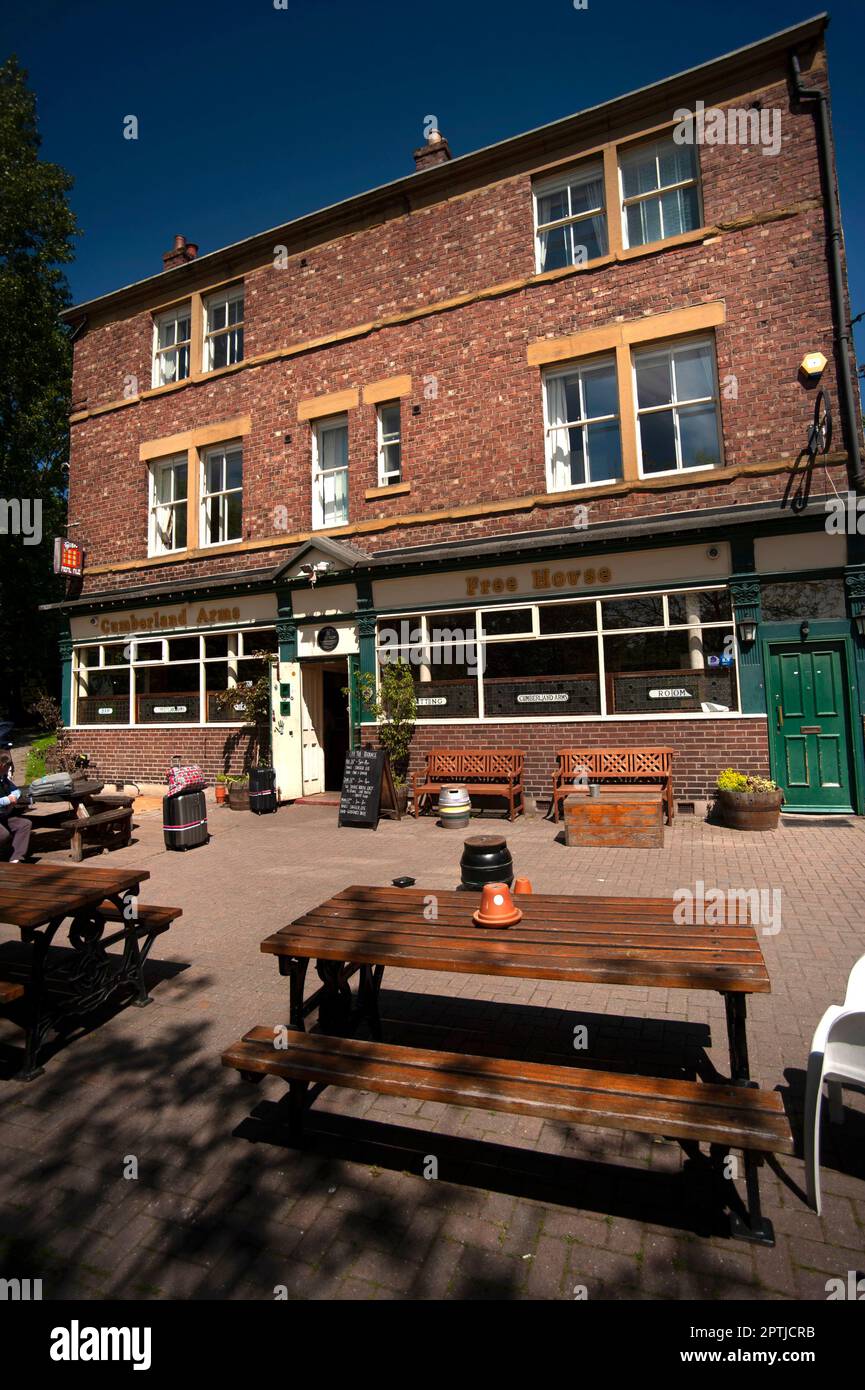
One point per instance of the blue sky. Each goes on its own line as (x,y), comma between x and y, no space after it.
(251,115)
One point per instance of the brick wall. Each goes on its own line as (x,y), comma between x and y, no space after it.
(480,439)
(701,747)
(145,755)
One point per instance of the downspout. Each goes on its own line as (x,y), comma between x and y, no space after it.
(845,337)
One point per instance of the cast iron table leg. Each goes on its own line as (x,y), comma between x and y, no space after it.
(755,1228)
(368,988)
(295,967)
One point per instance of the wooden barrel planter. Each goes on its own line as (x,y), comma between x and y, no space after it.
(238,796)
(750,810)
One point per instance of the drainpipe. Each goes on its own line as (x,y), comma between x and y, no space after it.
(845,337)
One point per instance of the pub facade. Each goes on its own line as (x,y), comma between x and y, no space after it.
(561,423)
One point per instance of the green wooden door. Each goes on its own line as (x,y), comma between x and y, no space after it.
(809,725)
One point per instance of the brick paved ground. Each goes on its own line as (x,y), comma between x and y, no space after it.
(522,1208)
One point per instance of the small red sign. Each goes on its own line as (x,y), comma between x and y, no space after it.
(68,557)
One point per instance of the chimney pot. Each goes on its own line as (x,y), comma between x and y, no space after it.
(181,252)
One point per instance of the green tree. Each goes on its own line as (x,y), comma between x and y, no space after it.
(37,228)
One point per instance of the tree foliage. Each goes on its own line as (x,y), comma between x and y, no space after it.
(37,228)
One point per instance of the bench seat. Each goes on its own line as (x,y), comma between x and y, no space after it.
(107,828)
(150,915)
(732,1116)
(10,990)
(484,771)
(577,767)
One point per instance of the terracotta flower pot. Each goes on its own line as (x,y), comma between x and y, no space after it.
(497,907)
(750,810)
(221,792)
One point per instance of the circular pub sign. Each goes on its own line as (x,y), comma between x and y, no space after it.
(327,639)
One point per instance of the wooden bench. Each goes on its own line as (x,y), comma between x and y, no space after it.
(153,918)
(731,1116)
(485,771)
(113,801)
(577,767)
(109,829)
(10,990)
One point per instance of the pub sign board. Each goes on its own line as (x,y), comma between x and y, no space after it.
(68,557)
(367,774)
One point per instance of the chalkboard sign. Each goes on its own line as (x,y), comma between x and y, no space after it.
(367,775)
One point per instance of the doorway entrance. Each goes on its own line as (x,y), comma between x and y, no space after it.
(324,724)
(810,731)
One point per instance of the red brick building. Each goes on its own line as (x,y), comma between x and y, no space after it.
(525,417)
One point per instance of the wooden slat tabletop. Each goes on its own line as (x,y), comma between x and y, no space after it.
(31,894)
(601,940)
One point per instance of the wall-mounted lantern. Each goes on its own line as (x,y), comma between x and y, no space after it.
(747,630)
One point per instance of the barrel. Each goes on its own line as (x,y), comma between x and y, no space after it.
(262,789)
(184,820)
(454,807)
(486,859)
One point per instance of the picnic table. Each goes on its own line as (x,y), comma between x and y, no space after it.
(594,940)
(48,987)
(79,796)
(105,820)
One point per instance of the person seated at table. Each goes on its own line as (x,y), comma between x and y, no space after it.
(12,828)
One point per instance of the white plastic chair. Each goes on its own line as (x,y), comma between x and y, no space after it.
(837,1057)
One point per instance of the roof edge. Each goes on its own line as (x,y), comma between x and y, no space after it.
(442,173)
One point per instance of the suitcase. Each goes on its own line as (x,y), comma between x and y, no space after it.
(262,789)
(184,820)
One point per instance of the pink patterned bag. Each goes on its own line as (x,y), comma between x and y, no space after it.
(185,779)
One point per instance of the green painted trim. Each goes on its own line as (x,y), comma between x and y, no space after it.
(65,647)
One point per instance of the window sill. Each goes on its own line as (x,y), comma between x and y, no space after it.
(681,472)
(390,490)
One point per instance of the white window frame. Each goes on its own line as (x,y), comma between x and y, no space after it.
(476,613)
(238,638)
(579,367)
(581,173)
(625,203)
(234,446)
(661,350)
(210,334)
(155,545)
(174,316)
(329,422)
(386,477)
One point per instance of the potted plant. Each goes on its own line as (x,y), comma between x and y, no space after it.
(221,788)
(252,699)
(744,802)
(395,708)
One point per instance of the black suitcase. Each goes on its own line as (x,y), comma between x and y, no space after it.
(184,820)
(262,789)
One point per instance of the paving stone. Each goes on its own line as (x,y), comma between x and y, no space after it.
(214,1215)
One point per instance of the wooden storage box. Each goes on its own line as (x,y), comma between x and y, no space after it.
(625,817)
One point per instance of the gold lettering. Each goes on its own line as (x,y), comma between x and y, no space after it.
(540,579)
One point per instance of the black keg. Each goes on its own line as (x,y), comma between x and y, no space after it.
(486,859)
(262,789)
